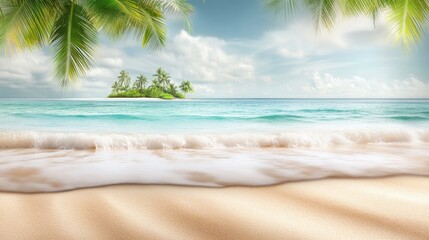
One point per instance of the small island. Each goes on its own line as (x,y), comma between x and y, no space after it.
(162,87)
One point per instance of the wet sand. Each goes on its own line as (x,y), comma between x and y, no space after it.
(378,208)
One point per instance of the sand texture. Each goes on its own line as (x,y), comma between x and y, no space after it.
(383,208)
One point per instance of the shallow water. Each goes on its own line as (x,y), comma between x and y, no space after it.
(53,145)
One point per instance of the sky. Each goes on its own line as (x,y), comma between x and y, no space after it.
(237,48)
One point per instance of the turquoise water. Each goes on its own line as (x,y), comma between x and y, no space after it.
(202,116)
(67,144)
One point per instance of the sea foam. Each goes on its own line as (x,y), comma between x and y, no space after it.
(286,139)
(36,170)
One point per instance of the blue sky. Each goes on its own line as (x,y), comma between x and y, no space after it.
(238,49)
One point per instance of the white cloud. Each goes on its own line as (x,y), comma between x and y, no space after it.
(203,88)
(24,66)
(25,71)
(284,52)
(29,74)
(101,72)
(328,85)
(300,40)
(111,62)
(206,59)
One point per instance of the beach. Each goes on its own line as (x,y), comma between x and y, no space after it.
(372,208)
(232,123)
(214,169)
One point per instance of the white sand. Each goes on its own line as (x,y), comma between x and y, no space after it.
(385,208)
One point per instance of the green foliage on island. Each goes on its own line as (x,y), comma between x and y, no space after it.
(161,87)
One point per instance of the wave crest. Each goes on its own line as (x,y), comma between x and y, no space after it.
(291,139)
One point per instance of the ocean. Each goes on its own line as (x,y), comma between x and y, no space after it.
(62,144)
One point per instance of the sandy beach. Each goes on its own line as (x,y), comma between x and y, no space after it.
(378,208)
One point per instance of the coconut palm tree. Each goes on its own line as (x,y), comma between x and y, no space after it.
(72,27)
(158,74)
(166,80)
(155,84)
(186,87)
(140,83)
(123,81)
(115,87)
(407,18)
(172,89)
(163,78)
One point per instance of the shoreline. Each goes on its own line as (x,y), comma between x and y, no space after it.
(168,185)
(50,170)
(375,208)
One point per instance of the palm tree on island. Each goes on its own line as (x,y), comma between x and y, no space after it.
(140,83)
(186,87)
(162,78)
(123,81)
(161,87)
(172,89)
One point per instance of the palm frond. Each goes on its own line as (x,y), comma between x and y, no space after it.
(1,12)
(324,12)
(26,24)
(371,8)
(112,16)
(155,34)
(143,20)
(408,18)
(179,7)
(286,7)
(73,40)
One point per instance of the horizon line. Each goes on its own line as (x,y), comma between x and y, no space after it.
(316,98)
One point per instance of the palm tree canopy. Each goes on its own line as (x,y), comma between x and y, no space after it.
(72,27)
(155,83)
(186,87)
(142,79)
(158,72)
(162,77)
(172,88)
(115,87)
(140,83)
(407,18)
(123,80)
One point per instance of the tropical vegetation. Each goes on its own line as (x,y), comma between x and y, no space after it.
(72,27)
(162,87)
(407,18)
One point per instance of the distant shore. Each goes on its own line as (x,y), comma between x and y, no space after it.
(144,98)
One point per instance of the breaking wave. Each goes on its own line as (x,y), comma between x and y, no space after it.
(289,139)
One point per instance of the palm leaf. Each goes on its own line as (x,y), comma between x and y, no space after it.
(26,24)
(73,40)
(370,8)
(324,12)
(141,19)
(112,16)
(286,7)
(408,18)
(1,13)
(154,34)
(180,7)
